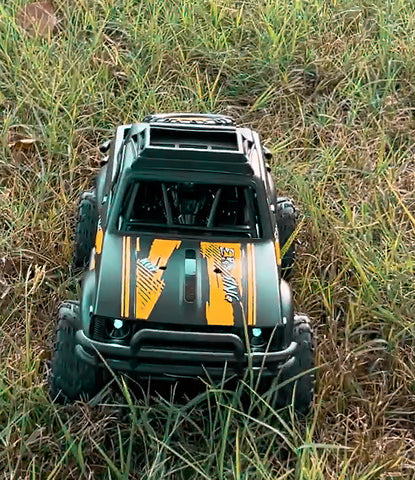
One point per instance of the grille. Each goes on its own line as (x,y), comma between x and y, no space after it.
(101,326)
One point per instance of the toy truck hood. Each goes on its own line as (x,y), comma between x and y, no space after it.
(188,281)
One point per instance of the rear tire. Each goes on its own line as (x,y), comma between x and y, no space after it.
(286,223)
(85,229)
(300,391)
(70,378)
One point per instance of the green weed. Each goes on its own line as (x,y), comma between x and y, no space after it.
(328,84)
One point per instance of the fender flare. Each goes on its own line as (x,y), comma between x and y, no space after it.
(87,300)
(100,184)
(287,309)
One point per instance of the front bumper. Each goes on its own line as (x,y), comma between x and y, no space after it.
(165,353)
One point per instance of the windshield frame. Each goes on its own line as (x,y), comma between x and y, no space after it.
(192,231)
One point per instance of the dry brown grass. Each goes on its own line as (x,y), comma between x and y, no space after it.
(329,87)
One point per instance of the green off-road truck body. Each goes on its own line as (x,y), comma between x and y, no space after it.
(181,242)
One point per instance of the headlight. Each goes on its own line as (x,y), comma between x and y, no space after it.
(117,329)
(106,329)
(257,339)
(256,332)
(267,338)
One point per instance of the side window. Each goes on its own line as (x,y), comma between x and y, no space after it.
(232,208)
(144,203)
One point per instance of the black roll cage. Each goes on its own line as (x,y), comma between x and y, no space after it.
(252,229)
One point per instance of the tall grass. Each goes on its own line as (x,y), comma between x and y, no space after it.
(328,84)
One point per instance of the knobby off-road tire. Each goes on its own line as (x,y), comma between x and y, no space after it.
(70,378)
(300,391)
(85,229)
(286,223)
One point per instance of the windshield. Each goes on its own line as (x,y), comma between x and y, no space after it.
(179,206)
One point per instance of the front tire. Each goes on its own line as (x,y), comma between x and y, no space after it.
(85,229)
(286,224)
(70,378)
(299,392)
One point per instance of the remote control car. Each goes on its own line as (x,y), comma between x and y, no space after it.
(181,242)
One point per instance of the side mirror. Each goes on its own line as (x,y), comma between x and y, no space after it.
(267,153)
(104,147)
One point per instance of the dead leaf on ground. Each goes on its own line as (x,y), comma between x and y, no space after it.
(21,143)
(6,267)
(19,140)
(38,18)
(22,146)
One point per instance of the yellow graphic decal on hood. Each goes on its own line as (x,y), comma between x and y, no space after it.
(149,272)
(225,280)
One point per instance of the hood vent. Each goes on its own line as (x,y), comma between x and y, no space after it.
(190,276)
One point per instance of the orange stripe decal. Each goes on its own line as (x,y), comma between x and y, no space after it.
(127,277)
(254,285)
(225,280)
(98,238)
(251,291)
(149,273)
(122,276)
(277,252)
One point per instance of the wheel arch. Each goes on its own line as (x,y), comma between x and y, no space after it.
(100,184)
(87,300)
(287,308)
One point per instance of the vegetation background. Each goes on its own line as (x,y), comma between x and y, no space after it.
(329,85)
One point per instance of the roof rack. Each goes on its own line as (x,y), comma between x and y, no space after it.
(169,136)
(192,118)
(199,147)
